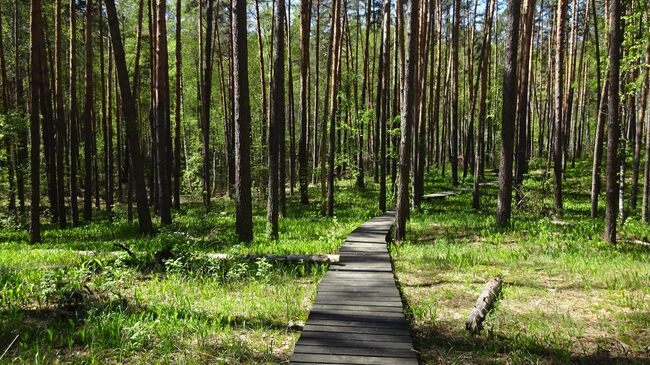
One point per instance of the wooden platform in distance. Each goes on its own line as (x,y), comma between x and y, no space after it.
(357,317)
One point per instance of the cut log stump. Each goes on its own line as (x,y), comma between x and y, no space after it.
(483,305)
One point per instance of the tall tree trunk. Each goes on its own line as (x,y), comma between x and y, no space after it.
(336,75)
(129,111)
(381,108)
(88,114)
(407,118)
(483,78)
(645,212)
(292,114)
(316,147)
(508,114)
(177,110)
(454,94)
(21,153)
(36,40)
(260,46)
(558,135)
(305,23)
(59,117)
(523,100)
(276,117)
(108,139)
(242,116)
(162,115)
(613,129)
(206,89)
(74,114)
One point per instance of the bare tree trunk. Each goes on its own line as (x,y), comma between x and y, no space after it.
(613,128)
(645,213)
(262,76)
(316,148)
(508,115)
(523,101)
(381,108)
(483,76)
(59,116)
(453,156)
(335,76)
(292,114)
(305,23)
(206,90)
(177,111)
(558,136)
(277,115)
(88,114)
(129,111)
(242,116)
(73,132)
(407,118)
(162,115)
(36,40)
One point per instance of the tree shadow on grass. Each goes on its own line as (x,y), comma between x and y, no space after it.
(438,344)
(58,331)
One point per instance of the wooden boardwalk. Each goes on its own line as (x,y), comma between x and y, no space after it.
(357,317)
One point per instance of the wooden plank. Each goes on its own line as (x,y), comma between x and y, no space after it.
(363,332)
(387,302)
(348,359)
(355,351)
(356,308)
(386,325)
(354,336)
(357,317)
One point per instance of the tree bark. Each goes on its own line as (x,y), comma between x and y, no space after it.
(36,40)
(129,111)
(305,23)
(508,114)
(277,115)
(407,118)
(88,115)
(558,135)
(483,78)
(453,156)
(177,111)
(613,129)
(242,116)
(206,90)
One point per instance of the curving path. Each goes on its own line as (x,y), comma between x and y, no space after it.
(357,317)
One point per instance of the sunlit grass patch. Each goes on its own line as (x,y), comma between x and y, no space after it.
(567,295)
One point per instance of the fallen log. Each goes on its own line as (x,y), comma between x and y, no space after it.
(483,305)
(321,259)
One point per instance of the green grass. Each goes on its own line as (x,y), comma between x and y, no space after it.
(68,307)
(567,296)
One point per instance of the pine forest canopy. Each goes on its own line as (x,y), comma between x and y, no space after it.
(149,104)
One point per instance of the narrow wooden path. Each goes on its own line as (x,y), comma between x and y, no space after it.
(357,317)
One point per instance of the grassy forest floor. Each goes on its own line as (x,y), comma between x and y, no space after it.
(567,296)
(69,307)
